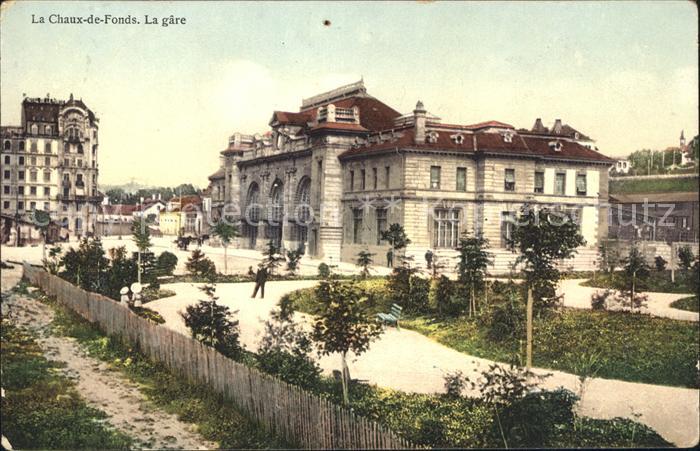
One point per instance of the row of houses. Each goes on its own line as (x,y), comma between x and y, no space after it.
(181,215)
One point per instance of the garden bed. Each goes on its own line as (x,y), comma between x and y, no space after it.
(657,281)
(691,304)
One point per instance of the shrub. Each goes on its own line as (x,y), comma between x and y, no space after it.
(324,271)
(506,320)
(166,263)
(455,384)
(441,296)
(364,261)
(408,290)
(599,299)
(200,265)
(660,263)
(685,257)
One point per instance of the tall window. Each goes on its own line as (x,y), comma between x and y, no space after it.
(461,179)
(581,184)
(560,183)
(33,145)
(539,182)
(446,228)
(7,159)
(32,161)
(507,227)
(47,191)
(381,223)
(357,225)
(47,176)
(6,189)
(352,180)
(6,175)
(20,175)
(434,177)
(20,161)
(374,178)
(20,190)
(363,176)
(509,183)
(47,161)
(32,190)
(7,145)
(387,175)
(21,146)
(47,148)
(32,176)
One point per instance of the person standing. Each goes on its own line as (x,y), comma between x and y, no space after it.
(260,279)
(390,258)
(429,258)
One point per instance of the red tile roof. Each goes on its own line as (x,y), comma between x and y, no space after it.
(118,209)
(374,114)
(485,142)
(286,117)
(339,126)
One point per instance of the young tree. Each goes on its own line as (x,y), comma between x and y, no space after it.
(473,261)
(53,263)
(396,236)
(142,238)
(542,238)
(226,233)
(213,324)
(42,220)
(635,268)
(87,266)
(364,261)
(272,258)
(200,265)
(344,324)
(123,272)
(660,263)
(293,258)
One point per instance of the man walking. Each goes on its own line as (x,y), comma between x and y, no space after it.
(260,279)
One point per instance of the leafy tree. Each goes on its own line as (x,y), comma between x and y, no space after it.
(364,261)
(542,238)
(608,257)
(293,258)
(142,238)
(441,296)
(685,257)
(123,272)
(407,289)
(286,347)
(167,262)
(635,268)
(396,236)
(226,233)
(213,324)
(473,261)
(200,265)
(344,323)
(272,258)
(86,266)
(53,263)
(660,263)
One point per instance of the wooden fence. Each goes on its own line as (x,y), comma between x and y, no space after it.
(299,417)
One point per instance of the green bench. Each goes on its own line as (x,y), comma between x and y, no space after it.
(392,317)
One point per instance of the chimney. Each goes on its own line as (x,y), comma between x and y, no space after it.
(419,118)
(557,126)
(539,126)
(330,113)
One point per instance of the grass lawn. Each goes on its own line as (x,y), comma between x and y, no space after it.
(42,409)
(657,281)
(218,420)
(658,185)
(691,304)
(613,345)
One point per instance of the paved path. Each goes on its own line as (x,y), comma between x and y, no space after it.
(659,304)
(238,260)
(408,361)
(103,388)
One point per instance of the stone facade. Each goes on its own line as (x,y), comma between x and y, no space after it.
(332,176)
(49,163)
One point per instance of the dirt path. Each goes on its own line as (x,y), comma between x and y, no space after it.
(126,406)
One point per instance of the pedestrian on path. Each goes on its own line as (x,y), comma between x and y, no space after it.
(390,258)
(260,279)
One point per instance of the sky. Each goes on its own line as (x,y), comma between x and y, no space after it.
(168,98)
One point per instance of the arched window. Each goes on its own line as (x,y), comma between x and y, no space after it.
(302,211)
(21,146)
(78,223)
(34,129)
(33,145)
(80,148)
(47,129)
(252,212)
(7,145)
(47,147)
(276,201)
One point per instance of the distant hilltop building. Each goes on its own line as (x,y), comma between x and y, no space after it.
(331,177)
(49,163)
